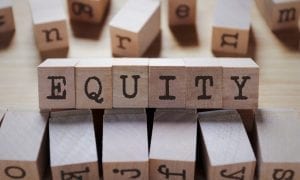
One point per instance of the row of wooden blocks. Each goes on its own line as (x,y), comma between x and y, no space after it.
(221,145)
(141,82)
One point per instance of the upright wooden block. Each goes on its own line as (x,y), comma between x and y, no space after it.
(173,144)
(7,23)
(167,83)
(231,26)
(23,139)
(90,11)
(133,39)
(240,83)
(56,83)
(182,12)
(50,26)
(94,84)
(227,151)
(277,144)
(73,152)
(203,83)
(125,144)
(130,83)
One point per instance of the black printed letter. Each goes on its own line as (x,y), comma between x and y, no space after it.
(204,78)
(286,15)
(121,39)
(56,87)
(240,86)
(281,174)
(93,95)
(167,94)
(230,40)
(135,77)
(182,11)
(49,32)
(78,8)
(15,172)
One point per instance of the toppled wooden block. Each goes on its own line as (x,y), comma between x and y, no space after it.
(181,12)
(7,23)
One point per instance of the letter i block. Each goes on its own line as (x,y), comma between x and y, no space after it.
(240,83)
(7,23)
(182,12)
(203,83)
(133,39)
(94,84)
(130,83)
(231,26)
(56,83)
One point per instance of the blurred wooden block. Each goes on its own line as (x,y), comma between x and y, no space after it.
(167,83)
(73,153)
(90,11)
(7,23)
(277,144)
(231,26)
(125,144)
(23,139)
(240,83)
(204,83)
(56,83)
(50,25)
(133,39)
(173,144)
(181,12)
(130,83)
(94,84)
(227,151)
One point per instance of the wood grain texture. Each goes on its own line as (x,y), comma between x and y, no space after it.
(7,22)
(182,12)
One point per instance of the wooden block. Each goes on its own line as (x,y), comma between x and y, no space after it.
(73,152)
(227,151)
(7,23)
(133,39)
(231,26)
(130,83)
(203,83)
(90,11)
(173,144)
(182,12)
(167,83)
(277,144)
(125,144)
(50,26)
(56,83)
(23,139)
(94,84)
(240,83)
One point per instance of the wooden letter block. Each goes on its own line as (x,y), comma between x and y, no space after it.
(231,26)
(227,150)
(125,144)
(130,82)
(73,150)
(133,39)
(90,11)
(7,23)
(56,79)
(278,144)
(203,83)
(173,144)
(50,26)
(23,152)
(182,12)
(167,83)
(94,84)
(240,83)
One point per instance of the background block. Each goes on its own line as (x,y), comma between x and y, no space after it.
(23,139)
(181,12)
(133,39)
(130,83)
(94,84)
(125,144)
(227,150)
(7,23)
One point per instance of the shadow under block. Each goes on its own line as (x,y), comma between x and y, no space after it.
(90,11)
(278,144)
(125,144)
(23,139)
(181,12)
(56,79)
(50,25)
(73,152)
(203,83)
(240,83)
(133,39)
(130,83)
(94,84)
(231,26)
(173,144)
(167,83)
(227,150)
(2,114)
(7,23)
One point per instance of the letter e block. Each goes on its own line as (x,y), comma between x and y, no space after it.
(182,12)
(7,23)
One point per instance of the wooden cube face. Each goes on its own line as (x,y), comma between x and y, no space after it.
(240,171)
(181,12)
(82,171)
(125,170)
(7,23)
